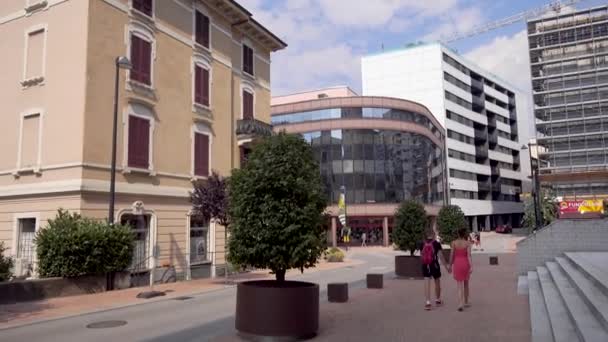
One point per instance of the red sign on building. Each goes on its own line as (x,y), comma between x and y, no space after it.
(581,209)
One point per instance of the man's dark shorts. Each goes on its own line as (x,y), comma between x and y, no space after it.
(431,271)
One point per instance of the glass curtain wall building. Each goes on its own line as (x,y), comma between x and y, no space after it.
(381,150)
(569,65)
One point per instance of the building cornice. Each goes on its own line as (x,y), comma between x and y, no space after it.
(91,185)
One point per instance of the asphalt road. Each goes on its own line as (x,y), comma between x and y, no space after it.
(199,318)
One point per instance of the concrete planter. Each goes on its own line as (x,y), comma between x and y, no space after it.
(266,308)
(39,289)
(407,266)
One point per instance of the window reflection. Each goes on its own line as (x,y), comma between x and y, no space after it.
(378,166)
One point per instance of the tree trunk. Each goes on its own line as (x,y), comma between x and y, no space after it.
(280,275)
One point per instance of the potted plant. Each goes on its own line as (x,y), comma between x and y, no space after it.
(449,220)
(410,224)
(276,210)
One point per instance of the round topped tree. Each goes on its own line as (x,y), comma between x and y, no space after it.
(411,223)
(449,220)
(276,208)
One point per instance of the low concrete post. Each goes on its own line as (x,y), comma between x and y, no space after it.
(337,292)
(375,281)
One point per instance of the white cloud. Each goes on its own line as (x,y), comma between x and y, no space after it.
(457,21)
(507,57)
(366,13)
(327,37)
(314,69)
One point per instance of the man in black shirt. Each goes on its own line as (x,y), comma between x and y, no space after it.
(430,255)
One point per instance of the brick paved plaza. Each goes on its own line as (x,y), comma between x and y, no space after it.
(396,313)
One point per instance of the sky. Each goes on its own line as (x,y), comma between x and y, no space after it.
(327,38)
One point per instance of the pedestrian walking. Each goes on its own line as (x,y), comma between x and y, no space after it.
(461,267)
(430,255)
(363,240)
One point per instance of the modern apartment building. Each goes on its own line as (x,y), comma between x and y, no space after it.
(380,150)
(198,90)
(483,117)
(569,65)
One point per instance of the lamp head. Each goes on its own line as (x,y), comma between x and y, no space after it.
(123,63)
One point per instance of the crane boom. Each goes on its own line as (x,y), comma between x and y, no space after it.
(522,16)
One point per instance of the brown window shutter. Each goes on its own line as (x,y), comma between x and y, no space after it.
(146,61)
(135,73)
(139,142)
(201,154)
(247,59)
(144,6)
(247,105)
(205,86)
(201,27)
(198,91)
(147,7)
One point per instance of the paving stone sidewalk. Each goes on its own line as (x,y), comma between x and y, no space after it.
(12,315)
(396,312)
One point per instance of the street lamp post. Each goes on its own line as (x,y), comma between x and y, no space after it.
(536,187)
(120,63)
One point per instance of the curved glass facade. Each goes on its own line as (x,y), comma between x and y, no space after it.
(379,166)
(355,113)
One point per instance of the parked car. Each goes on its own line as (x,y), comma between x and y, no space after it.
(504,229)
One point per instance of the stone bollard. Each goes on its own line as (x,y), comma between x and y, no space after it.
(337,292)
(493,260)
(375,281)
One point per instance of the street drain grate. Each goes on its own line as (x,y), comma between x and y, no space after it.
(106,324)
(183,298)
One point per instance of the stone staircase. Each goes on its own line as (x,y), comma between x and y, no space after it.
(569,298)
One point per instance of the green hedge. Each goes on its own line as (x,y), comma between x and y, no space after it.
(334,255)
(72,245)
(6,263)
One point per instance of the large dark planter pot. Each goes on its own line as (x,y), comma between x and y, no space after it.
(407,266)
(265,308)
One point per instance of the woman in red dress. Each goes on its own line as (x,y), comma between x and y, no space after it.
(461,266)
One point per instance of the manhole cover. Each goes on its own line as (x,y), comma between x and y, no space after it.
(183,298)
(106,324)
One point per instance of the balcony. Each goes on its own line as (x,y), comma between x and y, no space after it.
(478,101)
(481,135)
(484,186)
(493,138)
(481,152)
(253,128)
(476,84)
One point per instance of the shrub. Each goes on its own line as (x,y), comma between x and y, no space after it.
(72,245)
(334,255)
(449,221)
(276,207)
(410,225)
(6,264)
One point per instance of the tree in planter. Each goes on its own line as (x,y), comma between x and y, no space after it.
(410,224)
(72,245)
(6,263)
(449,220)
(276,207)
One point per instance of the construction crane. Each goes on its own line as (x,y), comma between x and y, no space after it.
(555,6)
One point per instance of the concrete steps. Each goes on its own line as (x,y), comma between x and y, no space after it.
(569,298)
